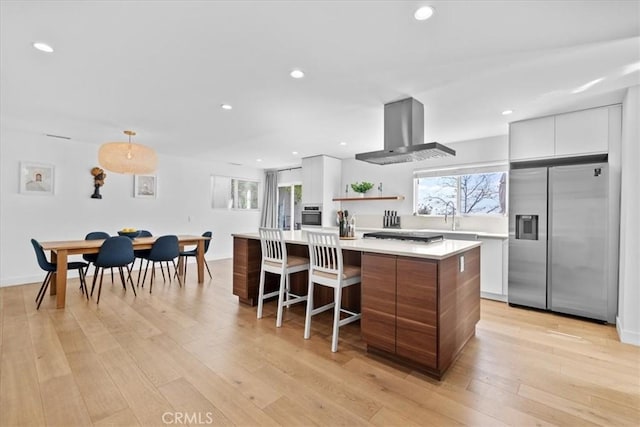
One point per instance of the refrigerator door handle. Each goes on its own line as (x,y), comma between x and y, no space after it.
(549,238)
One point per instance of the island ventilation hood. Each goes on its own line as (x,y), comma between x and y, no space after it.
(404,136)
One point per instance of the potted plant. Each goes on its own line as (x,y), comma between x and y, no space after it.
(362,187)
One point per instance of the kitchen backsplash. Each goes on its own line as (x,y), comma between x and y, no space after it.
(497,225)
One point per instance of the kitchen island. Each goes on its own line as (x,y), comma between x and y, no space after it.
(419,302)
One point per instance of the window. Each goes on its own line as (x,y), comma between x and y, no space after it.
(289,206)
(470,191)
(234,193)
(244,194)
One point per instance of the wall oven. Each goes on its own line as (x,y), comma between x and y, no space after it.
(312,215)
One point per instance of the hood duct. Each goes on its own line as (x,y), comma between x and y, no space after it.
(404,136)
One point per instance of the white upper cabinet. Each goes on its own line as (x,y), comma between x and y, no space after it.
(312,180)
(321,177)
(578,133)
(582,132)
(532,139)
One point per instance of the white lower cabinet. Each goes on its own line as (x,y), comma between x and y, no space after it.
(492,268)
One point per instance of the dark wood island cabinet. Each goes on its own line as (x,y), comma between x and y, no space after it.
(420,311)
(420,303)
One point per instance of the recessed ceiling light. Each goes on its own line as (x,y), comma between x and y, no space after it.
(343,143)
(258,160)
(423,13)
(295,153)
(507,112)
(297,74)
(43,47)
(226,107)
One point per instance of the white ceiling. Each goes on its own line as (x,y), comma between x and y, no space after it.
(162,68)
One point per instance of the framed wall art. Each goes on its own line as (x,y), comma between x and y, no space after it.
(145,186)
(37,178)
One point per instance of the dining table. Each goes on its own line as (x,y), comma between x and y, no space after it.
(61,250)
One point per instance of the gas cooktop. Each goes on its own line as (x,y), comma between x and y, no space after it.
(416,236)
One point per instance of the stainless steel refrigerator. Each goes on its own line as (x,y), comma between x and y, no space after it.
(559,234)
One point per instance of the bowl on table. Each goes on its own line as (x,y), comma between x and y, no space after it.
(129,234)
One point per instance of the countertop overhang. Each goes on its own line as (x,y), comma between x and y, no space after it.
(437,250)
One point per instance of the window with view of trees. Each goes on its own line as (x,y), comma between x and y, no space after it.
(233,193)
(244,194)
(469,194)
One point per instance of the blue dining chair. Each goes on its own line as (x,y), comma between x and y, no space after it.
(51,268)
(116,251)
(194,253)
(164,249)
(91,258)
(142,254)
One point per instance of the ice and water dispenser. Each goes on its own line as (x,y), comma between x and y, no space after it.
(527,227)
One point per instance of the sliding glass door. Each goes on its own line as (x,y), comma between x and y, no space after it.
(289,206)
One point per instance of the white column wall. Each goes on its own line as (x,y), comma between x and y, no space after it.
(628,322)
(182,206)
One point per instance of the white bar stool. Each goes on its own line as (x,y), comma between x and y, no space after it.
(327,269)
(275,260)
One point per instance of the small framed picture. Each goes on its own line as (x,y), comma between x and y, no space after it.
(36,178)
(145,186)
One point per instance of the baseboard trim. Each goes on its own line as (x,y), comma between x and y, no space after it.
(495,297)
(626,336)
(72,274)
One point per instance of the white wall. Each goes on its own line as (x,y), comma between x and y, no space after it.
(397,179)
(628,322)
(290,176)
(181,207)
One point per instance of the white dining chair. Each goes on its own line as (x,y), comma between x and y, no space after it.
(275,260)
(326,268)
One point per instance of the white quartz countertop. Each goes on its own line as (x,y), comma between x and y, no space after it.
(437,250)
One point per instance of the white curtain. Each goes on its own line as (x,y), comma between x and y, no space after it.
(269,216)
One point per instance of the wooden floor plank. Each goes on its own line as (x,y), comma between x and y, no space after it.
(528,406)
(320,408)
(20,402)
(257,391)
(288,413)
(387,417)
(225,397)
(101,396)
(51,360)
(94,328)
(484,404)
(143,398)
(191,406)
(584,412)
(195,350)
(421,395)
(64,405)
(123,418)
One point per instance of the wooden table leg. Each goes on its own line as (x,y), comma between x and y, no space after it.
(61,278)
(181,261)
(200,260)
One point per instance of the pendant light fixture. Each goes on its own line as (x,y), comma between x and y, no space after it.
(127,157)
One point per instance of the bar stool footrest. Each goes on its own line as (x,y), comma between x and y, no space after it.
(296,299)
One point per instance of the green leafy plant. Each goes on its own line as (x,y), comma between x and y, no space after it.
(362,187)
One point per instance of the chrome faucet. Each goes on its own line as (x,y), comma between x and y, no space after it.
(453,214)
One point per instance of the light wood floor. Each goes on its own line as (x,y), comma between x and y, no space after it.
(194,355)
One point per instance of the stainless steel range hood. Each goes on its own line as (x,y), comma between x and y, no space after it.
(404,136)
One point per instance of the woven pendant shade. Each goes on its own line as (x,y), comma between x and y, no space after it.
(127,157)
